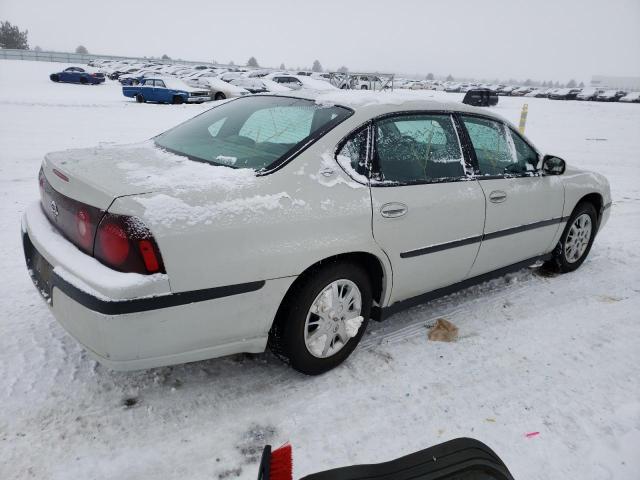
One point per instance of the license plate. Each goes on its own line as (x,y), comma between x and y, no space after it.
(40,270)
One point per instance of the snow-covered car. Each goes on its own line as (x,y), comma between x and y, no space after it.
(589,93)
(259,85)
(505,91)
(290,221)
(219,89)
(521,91)
(165,90)
(610,95)
(633,97)
(297,82)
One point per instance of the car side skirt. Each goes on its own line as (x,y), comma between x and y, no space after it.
(380,314)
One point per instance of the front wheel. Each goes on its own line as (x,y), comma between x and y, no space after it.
(139,98)
(576,240)
(54,77)
(325,318)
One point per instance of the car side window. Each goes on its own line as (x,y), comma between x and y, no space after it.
(160,83)
(526,156)
(354,152)
(418,148)
(492,145)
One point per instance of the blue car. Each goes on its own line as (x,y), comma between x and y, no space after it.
(165,90)
(77,75)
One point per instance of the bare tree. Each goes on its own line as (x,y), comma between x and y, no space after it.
(165,57)
(316,66)
(252,62)
(12,37)
(430,76)
(343,69)
(82,49)
(282,67)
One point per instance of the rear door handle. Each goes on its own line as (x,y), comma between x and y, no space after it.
(497,196)
(393,210)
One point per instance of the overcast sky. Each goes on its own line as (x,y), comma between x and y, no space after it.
(542,40)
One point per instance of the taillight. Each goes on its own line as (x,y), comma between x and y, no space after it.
(126,244)
(84,228)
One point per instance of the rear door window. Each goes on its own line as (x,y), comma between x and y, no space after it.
(418,148)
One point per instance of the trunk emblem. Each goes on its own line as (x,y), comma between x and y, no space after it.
(54,208)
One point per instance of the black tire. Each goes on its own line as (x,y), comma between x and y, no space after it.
(559,263)
(140,98)
(83,80)
(364,87)
(54,77)
(219,96)
(287,337)
(177,100)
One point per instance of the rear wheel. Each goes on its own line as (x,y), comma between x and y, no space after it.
(177,100)
(324,318)
(576,240)
(83,80)
(139,98)
(219,96)
(54,77)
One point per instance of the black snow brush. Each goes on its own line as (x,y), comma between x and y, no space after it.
(459,459)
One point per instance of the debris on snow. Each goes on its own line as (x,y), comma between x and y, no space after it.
(443,331)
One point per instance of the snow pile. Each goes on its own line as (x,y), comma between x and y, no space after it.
(329,177)
(353,325)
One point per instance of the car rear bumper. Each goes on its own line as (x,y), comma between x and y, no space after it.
(129,321)
(198,99)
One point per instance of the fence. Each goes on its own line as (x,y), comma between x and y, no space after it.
(64,57)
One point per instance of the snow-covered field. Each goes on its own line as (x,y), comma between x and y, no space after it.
(556,355)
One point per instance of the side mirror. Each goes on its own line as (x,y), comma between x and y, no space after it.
(552,165)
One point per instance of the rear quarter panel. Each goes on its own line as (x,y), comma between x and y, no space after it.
(273,226)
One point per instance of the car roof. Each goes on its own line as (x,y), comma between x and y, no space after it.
(378,103)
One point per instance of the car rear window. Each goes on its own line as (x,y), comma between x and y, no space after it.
(252,132)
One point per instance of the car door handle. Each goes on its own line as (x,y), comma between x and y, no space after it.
(393,210)
(498,196)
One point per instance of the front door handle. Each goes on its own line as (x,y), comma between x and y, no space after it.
(497,196)
(393,210)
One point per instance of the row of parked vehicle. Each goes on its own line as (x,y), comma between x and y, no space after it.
(589,93)
(176,83)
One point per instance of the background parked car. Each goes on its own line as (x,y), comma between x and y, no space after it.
(480,97)
(77,75)
(165,90)
(610,95)
(521,91)
(633,97)
(218,89)
(589,93)
(565,94)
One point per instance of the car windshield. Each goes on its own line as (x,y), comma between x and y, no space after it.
(252,132)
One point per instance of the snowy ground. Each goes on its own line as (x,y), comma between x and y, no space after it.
(555,355)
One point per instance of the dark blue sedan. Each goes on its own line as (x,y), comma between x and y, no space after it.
(77,75)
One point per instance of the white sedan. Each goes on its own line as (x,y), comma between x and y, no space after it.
(290,222)
(219,88)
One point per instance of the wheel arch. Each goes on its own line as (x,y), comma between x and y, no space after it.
(595,199)
(375,267)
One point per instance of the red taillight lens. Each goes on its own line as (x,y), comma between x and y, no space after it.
(84,229)
(149,256)
(113,244)
(126,244)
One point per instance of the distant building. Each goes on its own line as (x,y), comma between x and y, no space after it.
(616,83)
